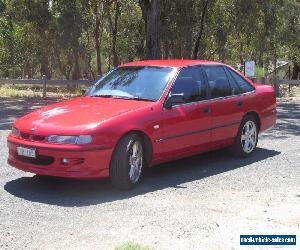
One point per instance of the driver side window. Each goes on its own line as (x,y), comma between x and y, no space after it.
(191,83)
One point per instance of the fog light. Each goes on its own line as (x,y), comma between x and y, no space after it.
(71,161)
(65,161)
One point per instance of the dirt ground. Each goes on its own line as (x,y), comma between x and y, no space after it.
(202,202)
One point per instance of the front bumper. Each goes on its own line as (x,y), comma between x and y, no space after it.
(86,161)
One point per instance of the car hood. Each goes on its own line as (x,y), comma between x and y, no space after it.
(80,114)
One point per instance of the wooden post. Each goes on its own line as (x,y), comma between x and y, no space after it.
(289,79)
(267,80)
(44,86)
(277,88)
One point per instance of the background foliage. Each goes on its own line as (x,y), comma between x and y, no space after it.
(83,38)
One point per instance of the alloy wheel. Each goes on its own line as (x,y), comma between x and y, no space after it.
(135,161)
(249,137)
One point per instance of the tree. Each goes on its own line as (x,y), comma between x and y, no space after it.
(291,34)
(37,17)
(113,17)
(201,28)
(151,10)
(83,38)
(97,10)
(68,32)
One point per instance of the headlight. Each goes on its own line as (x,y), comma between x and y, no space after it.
(15,132)
(66,139)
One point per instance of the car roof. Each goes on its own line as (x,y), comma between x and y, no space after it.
(169,63)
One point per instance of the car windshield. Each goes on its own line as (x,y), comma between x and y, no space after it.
(141,83)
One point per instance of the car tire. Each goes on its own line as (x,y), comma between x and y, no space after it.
(247,137)
(127,162)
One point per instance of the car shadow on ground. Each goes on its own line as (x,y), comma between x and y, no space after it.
(77,193)
(12,108)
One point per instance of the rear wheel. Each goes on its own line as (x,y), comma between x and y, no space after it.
(127,162)
(247,137)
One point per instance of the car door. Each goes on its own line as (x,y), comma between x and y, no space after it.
(226,104)
(186,126)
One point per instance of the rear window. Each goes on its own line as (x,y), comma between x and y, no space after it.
(241,82)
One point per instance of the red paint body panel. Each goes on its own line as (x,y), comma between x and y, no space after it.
(174,133)
(76,115)
(188,120)
(170,63)
(95,162)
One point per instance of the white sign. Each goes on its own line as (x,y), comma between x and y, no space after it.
(250,68)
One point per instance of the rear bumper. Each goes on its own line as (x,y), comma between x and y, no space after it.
(84,162)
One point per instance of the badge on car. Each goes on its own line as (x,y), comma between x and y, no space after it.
(28,152)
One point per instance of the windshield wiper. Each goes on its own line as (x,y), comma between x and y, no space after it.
(125,97)
(109,96)
(141,98)
(101,96)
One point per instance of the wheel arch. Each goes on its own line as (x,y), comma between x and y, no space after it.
(256,116)
(146,143)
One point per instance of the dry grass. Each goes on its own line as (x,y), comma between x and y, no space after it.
(296,91)
(293,92)
(25,90)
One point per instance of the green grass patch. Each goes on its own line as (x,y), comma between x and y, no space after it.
(133,246)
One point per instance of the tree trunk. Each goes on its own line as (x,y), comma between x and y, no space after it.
(296,71)
(200,34)
(97,39)
(76,71)
(187,26)
(45,66)
(151,10)
(114,32)
(90,73)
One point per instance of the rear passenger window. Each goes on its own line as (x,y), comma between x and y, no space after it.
(191,83)
(218,81)
(235,89)
(241,82)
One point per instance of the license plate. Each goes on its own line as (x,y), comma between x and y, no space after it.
(28,152)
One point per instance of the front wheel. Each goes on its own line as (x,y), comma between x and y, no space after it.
(247,137)
(127,162)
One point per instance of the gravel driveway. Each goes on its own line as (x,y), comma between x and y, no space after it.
(201,202)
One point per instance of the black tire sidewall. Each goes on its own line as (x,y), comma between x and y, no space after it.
(128,152)
(119,167)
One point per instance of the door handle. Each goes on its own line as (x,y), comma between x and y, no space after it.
(239,103)
(206,109)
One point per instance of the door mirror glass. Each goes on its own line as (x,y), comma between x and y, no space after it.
(174,99)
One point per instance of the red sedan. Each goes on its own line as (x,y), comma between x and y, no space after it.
(141,114)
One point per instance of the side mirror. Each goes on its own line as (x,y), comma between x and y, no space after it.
(174,99)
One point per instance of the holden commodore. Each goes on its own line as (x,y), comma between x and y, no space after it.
(141,114)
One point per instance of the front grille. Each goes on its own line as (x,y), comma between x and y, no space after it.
(31,137)
(37,137)
(25,136)
(39,160)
